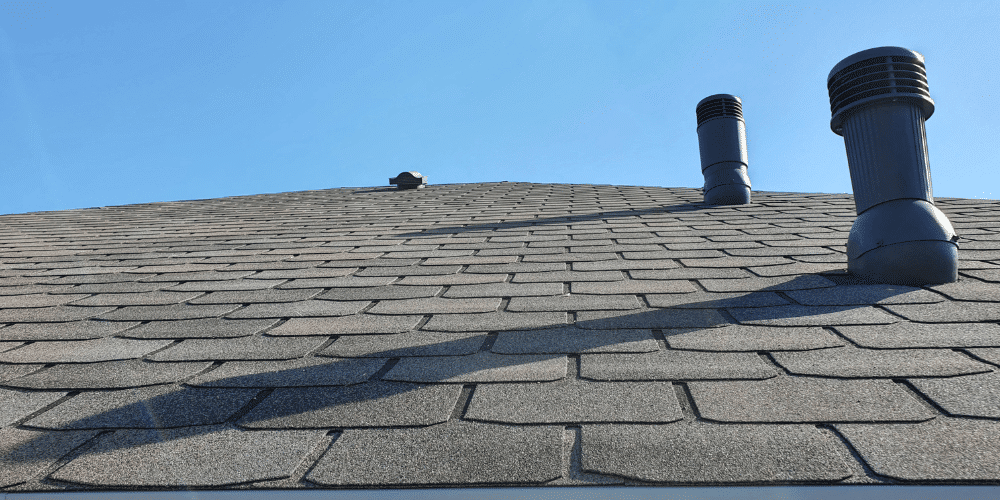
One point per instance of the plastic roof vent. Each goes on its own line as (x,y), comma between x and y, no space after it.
(879,100)
(722,139)
(409,180)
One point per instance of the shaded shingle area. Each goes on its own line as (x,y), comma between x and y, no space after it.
(485,334)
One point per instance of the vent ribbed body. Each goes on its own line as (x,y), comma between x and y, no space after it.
(722,141)
(877,75)
(719,106)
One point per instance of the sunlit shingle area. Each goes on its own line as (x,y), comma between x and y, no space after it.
(491,334)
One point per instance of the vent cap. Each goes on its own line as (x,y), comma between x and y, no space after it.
(719,106)
(874,75)
(409,180)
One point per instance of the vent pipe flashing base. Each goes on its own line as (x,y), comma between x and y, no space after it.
(879,100)
(722,141)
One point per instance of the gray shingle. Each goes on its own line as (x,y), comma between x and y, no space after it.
(73,330)
(990,355)
(504,290)
(796,315)
(25,454)
(370,404)
(675,365)
(801,399)
(55,314)
(15,405)
(574,401)
(714,454)
(145,408)
(949,312)
(863,295)
(630,286)
(405,344)
(914,335)
(452,279)
(690,273)
(164,313)
(650,318)
(242,348)
(479,367)
(381,293)
(270,295)
(572,340)
(966,289)
(436,305)
(970,396)
(409,271)
(303,273)
(305,308)
(40,300)
(497,321)
(192,456)
(198,276)
(766,284)
(573,303)
(345,281)
(82,351)
(620,264)
(199,328)
(519,267)
(358,324)
(944,449)
(294,373)
(751,338)
(491,454)
(712,300)
(564,276)
(10,372)
(219,286)
(108,375)
(852,362)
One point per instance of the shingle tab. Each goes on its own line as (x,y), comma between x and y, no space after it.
(479,367)
(574,402)
(491,454)
(108,375)
(572,340)
(144,408)
(370,404)
(751,338)
(82,351)
(714,454)
(193,456)
(796,315)
(799,400)
(970,396)
(851,362)
(25,454)
(15,405)
(305,308)
(301,372)
(674,365)
(73,330)
(944,449)
(904,335)
(242,348)
(650,318)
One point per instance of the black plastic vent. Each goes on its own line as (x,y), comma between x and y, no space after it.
(717,108)
(890,73)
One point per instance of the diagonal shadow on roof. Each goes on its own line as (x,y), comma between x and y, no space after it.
(562,219)
(160,411)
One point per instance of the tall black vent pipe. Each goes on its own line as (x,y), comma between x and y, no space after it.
(879,99)
(722,139)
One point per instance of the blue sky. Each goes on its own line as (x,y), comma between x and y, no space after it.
(109,103)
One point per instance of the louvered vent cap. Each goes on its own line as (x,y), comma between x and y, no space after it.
(719,106)
(879,74)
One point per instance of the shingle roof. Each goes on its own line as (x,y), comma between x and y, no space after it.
(487,334)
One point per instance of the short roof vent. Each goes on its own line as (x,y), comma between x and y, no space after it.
(879,100)
(722,139)
(409,180)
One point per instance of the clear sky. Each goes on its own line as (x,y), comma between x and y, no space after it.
(109,103)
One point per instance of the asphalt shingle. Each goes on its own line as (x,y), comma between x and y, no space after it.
(714,454)
(675,365)
(851,362)
(479,367)
(491,454)
(108,375)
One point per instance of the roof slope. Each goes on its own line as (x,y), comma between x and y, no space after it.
(501,334)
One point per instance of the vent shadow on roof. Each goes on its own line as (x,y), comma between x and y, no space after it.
(722,139)
(879,100)
(409,180)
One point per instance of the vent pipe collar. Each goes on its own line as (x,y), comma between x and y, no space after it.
(879,100)
(722,141)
